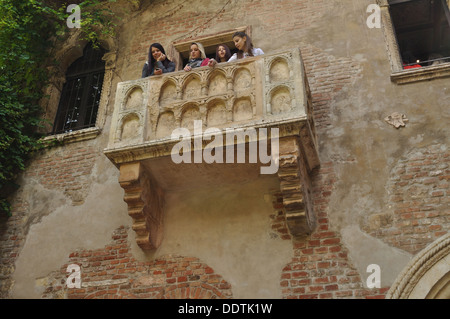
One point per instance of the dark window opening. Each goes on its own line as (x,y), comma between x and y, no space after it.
(80,96)
(422,29)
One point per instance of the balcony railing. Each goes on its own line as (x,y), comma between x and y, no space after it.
(268,91)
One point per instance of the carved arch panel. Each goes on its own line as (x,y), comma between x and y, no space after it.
(190,113)
(134,99)
(131,127)
(218,83)
(192,87)
(279,70)
(168,93)
(242,79)
(281,100)
(217,113)
(166,124)
(242,109)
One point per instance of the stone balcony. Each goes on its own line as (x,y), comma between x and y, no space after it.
(266,98)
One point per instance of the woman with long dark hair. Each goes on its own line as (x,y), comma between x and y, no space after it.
(158,63)
(244,44)
(223,53)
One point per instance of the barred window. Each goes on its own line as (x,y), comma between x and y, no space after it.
(80,96)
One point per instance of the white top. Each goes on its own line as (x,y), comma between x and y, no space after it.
(256,51)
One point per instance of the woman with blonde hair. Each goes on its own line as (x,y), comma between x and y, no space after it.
(197,57)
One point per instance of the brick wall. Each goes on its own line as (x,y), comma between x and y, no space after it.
(66,168)
(12,238)
(327,75)
(175,21)
(321,268)
(112,272)
(278,219)
(418,204)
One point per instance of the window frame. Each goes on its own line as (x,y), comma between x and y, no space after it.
(88,76)
(398,74)
(66,53)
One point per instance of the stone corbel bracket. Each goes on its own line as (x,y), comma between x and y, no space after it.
(296,189)
(145,204)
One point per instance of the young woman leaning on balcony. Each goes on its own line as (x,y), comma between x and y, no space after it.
(244,44)
(197,57)
(158,63)
(223,53)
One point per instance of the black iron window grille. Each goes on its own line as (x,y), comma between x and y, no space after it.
(80,96)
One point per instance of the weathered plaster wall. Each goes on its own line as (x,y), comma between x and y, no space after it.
(65,228)
(229,229)
(365,149)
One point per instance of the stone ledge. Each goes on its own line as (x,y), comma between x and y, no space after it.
(163,147)
(73,137)
(421,74)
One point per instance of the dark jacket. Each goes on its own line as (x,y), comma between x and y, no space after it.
(195,63)
(166,67)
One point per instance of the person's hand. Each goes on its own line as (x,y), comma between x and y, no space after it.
(212,63)
(161,57)
(187,68)
(158,72)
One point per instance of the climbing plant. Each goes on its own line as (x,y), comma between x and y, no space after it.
(28,31)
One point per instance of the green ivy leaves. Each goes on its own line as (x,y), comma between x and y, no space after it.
(28,29)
